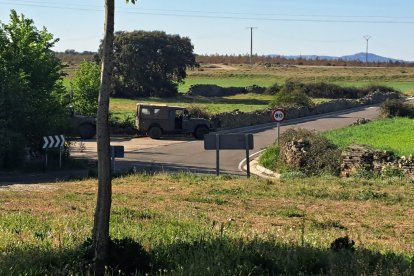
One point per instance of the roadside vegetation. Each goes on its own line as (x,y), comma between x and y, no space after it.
(191,224)
(394,134)
(31,90)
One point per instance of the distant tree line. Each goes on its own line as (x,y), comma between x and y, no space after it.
(280,61)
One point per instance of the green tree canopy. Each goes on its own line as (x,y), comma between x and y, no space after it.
(85,87)
(30,88)
(150,63)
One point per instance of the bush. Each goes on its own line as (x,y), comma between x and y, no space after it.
(320,156)
(122,125)
(397,108)
(196,111)
(379,88)
(291,98)
(31,89)
(273,90)
(85,87)
(332,91)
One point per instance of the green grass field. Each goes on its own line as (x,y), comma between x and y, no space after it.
(198,225)
(395,134)
(245,75)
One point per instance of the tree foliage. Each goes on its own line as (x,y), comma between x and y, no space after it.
(30,88)
(150,63)
(85,87)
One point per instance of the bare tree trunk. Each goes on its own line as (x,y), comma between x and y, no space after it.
(103,205)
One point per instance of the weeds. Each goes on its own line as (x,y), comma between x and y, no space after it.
(191,224)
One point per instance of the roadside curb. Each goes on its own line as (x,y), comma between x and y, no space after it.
(260,171)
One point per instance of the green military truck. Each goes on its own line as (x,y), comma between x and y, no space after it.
(158,120)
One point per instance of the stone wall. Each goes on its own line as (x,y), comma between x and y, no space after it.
(237,119)
(211,90)
(357,159)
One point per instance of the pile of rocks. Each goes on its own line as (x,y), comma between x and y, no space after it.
(358,158)
(361,121)
(295,153)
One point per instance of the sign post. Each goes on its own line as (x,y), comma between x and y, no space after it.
(219,142)
(246,142)
(116,151)
(278,115)
(54,141)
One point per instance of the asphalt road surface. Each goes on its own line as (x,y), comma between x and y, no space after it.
(187,154)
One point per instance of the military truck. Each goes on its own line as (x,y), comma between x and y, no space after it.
(81,126)
(158,120)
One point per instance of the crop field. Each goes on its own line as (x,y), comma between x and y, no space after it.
(395,134)
(244,75)
(199,225)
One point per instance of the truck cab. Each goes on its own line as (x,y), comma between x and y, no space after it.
(158,120)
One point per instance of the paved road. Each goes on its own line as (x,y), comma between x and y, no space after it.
(189,155)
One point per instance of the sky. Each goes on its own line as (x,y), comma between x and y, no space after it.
(284,27)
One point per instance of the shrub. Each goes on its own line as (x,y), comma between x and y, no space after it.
(392,108)
(196,111)
(332,91)
(31,89)
(122,125)
(273,90)
(291,98)
(85,87)
(379,88)
(321,156)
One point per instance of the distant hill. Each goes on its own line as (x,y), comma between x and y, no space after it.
(356,57)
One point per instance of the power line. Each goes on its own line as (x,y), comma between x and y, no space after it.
(214,16)
(235,13)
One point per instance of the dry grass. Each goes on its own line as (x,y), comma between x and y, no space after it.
(377,214)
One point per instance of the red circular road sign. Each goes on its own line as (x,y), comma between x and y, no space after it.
(278,115)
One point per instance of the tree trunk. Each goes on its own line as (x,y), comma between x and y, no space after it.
(103,205)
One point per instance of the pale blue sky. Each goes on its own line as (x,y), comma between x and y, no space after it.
(288,27)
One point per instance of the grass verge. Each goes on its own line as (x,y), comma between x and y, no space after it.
(393,134)
(193,224)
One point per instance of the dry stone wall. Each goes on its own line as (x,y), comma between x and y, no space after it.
(361,158)
(237,118)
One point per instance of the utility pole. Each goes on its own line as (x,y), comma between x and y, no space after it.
(251,42)
(367,38)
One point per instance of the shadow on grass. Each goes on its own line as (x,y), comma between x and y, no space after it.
(258,257)
(224,256)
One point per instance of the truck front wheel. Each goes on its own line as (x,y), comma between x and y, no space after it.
(200,132)
(155,132)
(87,131)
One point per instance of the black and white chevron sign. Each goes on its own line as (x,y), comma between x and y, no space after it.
(54,141)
